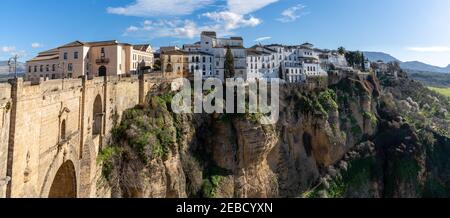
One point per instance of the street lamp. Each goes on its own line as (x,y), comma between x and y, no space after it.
(12,63)
(62,69)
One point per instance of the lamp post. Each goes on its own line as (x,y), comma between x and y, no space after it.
(12,63)
(62,68)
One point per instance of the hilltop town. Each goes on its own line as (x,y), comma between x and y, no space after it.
(206,58)
(94,119)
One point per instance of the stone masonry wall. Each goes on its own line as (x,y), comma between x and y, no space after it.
(47,124)
(5,112)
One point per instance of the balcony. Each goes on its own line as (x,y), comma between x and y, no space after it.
(102,61)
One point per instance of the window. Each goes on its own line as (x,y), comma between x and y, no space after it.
(29,69)
(65,55)
(75,55)
(204,59)
(35,69)
(193,59)
(53,67)
(53,76)
(102,53)
(204,67)
(192,69)
(70,67)
(41,68)
(197,59)
(47,68)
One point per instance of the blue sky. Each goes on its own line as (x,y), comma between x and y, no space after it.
(407,29)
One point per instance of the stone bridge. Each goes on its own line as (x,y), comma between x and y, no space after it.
(52,131)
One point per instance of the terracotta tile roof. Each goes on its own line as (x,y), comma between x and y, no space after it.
(142,47)
(94,44)
(45,58)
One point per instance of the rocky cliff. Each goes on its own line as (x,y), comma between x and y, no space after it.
(346,140)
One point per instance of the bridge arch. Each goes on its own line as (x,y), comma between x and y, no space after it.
(97,116)
(64,184)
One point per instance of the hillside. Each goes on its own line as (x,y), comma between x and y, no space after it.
(430,78)
(419,66)
(410,65)
(4,68)
(442,91)
(376,56)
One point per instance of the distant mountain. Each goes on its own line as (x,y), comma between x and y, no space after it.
(431,78)
(410,65)
(379,56)
(419,66)
(4,68)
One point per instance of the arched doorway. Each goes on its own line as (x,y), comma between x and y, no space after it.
(65,182)
(102,71)
(97,116)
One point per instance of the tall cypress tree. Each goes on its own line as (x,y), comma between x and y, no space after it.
(229,64)
(363,65)
(280,72)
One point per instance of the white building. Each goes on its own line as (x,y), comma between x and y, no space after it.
(200,63)
(192,47)
(217,47)
(262,63)
(332,58)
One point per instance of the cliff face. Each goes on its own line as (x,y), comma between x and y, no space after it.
(407,158)
(327,143)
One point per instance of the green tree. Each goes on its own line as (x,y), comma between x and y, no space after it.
(229,64)
(355,58)
(280,72)
(341,50)
(363,66)
(157,65)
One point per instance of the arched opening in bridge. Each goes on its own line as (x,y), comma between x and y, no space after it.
(65,183)
(102,71)
(63,130)
(97,116)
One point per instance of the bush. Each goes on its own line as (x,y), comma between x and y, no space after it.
(327,100)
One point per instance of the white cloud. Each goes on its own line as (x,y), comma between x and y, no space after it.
(132,29)
(153,8)
(430,49)
(265,38)
(8,49)
(292,14)
(36,45)
(247,6)
(236,15)
(164,28)
(224,23)
(230,21)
